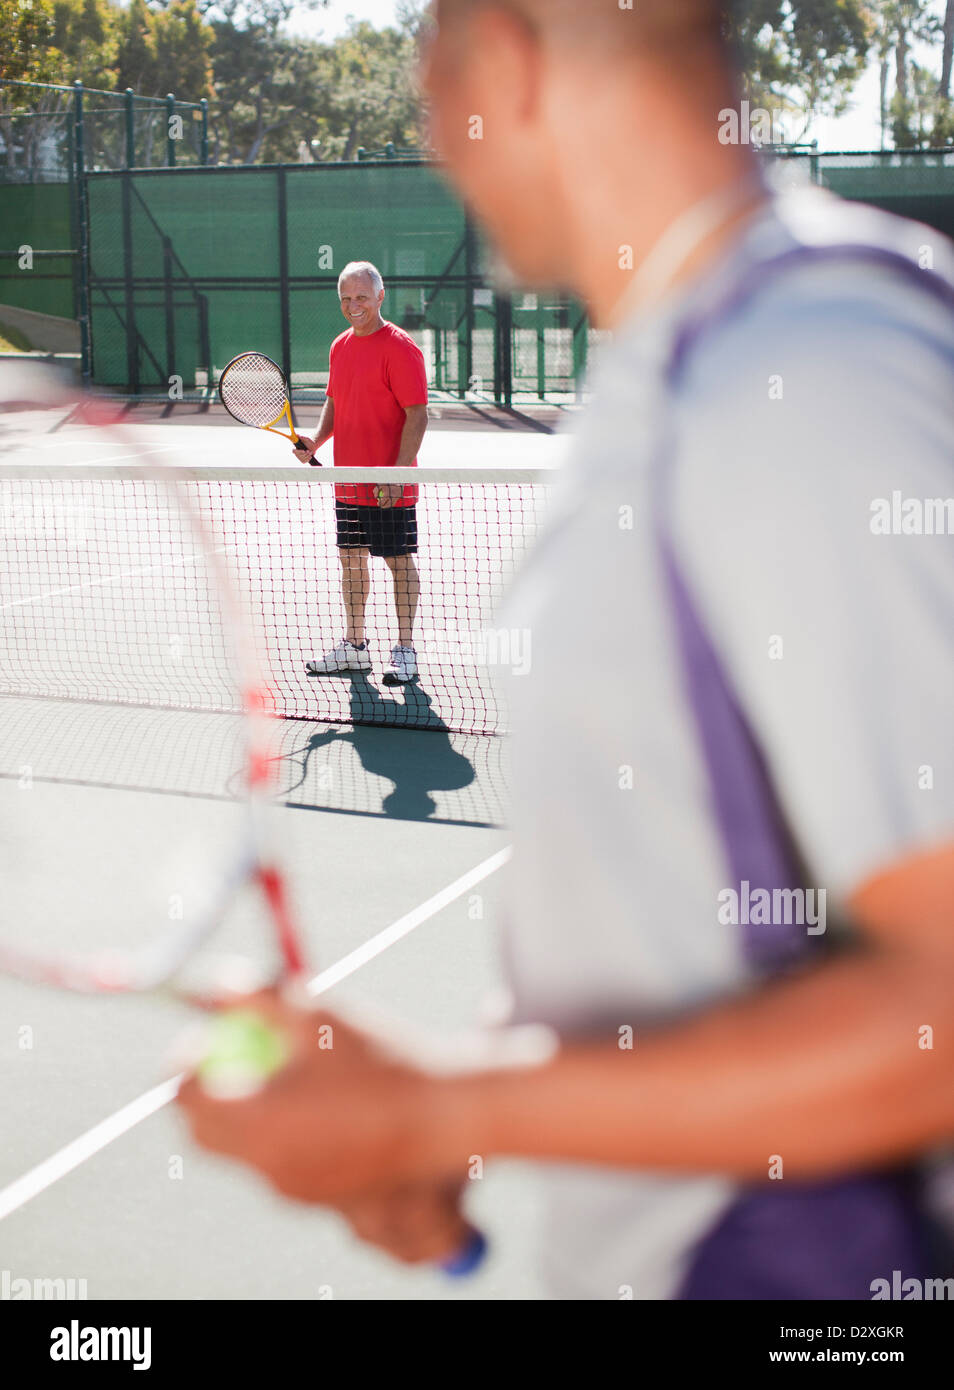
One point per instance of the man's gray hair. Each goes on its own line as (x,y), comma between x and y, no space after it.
(362,268)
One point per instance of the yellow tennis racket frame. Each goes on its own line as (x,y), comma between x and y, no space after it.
(286,413)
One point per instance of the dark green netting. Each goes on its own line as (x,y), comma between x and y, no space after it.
(189,268)
(38,216)
(918,185)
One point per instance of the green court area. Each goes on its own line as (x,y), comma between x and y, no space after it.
(392,834)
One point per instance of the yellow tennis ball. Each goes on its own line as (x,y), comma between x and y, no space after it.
(242,1052)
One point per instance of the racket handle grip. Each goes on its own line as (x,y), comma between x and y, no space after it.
(468,1258)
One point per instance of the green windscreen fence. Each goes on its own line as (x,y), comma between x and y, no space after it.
(51,137)
(36,236)
(188,267)
(918,184)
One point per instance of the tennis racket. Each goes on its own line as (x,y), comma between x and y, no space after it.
(112,580)
(254,391)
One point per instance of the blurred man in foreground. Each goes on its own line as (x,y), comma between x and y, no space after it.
(732,880)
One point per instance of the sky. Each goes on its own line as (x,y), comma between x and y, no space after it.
(330,22)
(857,129)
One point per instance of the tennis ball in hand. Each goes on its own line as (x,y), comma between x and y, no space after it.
(241,1053)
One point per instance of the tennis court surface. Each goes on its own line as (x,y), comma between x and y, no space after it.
(388,803)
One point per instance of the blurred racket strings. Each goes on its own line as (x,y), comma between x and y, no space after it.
(104,892)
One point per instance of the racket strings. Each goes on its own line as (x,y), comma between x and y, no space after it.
(253,390)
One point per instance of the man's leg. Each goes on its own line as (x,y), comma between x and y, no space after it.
(407,592)
(355,587)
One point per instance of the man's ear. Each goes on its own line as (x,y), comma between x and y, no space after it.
(512,50)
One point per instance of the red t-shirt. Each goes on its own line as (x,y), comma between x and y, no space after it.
(372,381)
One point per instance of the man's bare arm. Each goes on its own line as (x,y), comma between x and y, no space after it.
(326,428)
(828,1070)
(412,435)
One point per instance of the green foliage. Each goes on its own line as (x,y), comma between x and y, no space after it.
(165,50)
(26,41)
(803,57)
(85,34)
(274,98)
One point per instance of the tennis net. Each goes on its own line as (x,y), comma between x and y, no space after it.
(74,612)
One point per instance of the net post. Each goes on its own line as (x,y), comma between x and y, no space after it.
(170,143)
(283,273)
(130,128)
(82,227)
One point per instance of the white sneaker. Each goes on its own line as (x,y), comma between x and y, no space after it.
(403,666)
(345,657)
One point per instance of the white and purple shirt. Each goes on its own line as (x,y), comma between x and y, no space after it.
(724,611)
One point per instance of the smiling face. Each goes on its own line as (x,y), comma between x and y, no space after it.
(360,305)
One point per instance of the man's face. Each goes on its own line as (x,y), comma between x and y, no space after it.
(359,303)
(499,154)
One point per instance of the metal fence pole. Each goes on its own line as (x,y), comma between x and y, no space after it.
(204,138)
(581,348)
(465,339)
(132,347)
(82,227)
(170,143)
(283,273)
(503,349)
(169,288)
(130,128)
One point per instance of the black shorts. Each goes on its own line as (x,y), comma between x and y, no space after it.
(384,531)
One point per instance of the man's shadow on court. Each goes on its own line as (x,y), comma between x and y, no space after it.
(419,762)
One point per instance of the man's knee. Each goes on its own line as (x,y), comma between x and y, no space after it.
(353,559)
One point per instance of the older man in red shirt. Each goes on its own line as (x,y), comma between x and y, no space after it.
(377,412)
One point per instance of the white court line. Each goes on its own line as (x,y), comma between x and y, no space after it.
(404,925)
(86,1146)
(93,463)
(45,1174)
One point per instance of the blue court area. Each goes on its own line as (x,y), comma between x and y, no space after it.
(393,839)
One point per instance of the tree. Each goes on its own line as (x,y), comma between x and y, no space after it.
(803,57)
(947,50)
(183,46)
(370,92)
(85,34)
(918,111)
(273,93)
(27,53)
(164,50)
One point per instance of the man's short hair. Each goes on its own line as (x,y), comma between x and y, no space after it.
(362,268)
